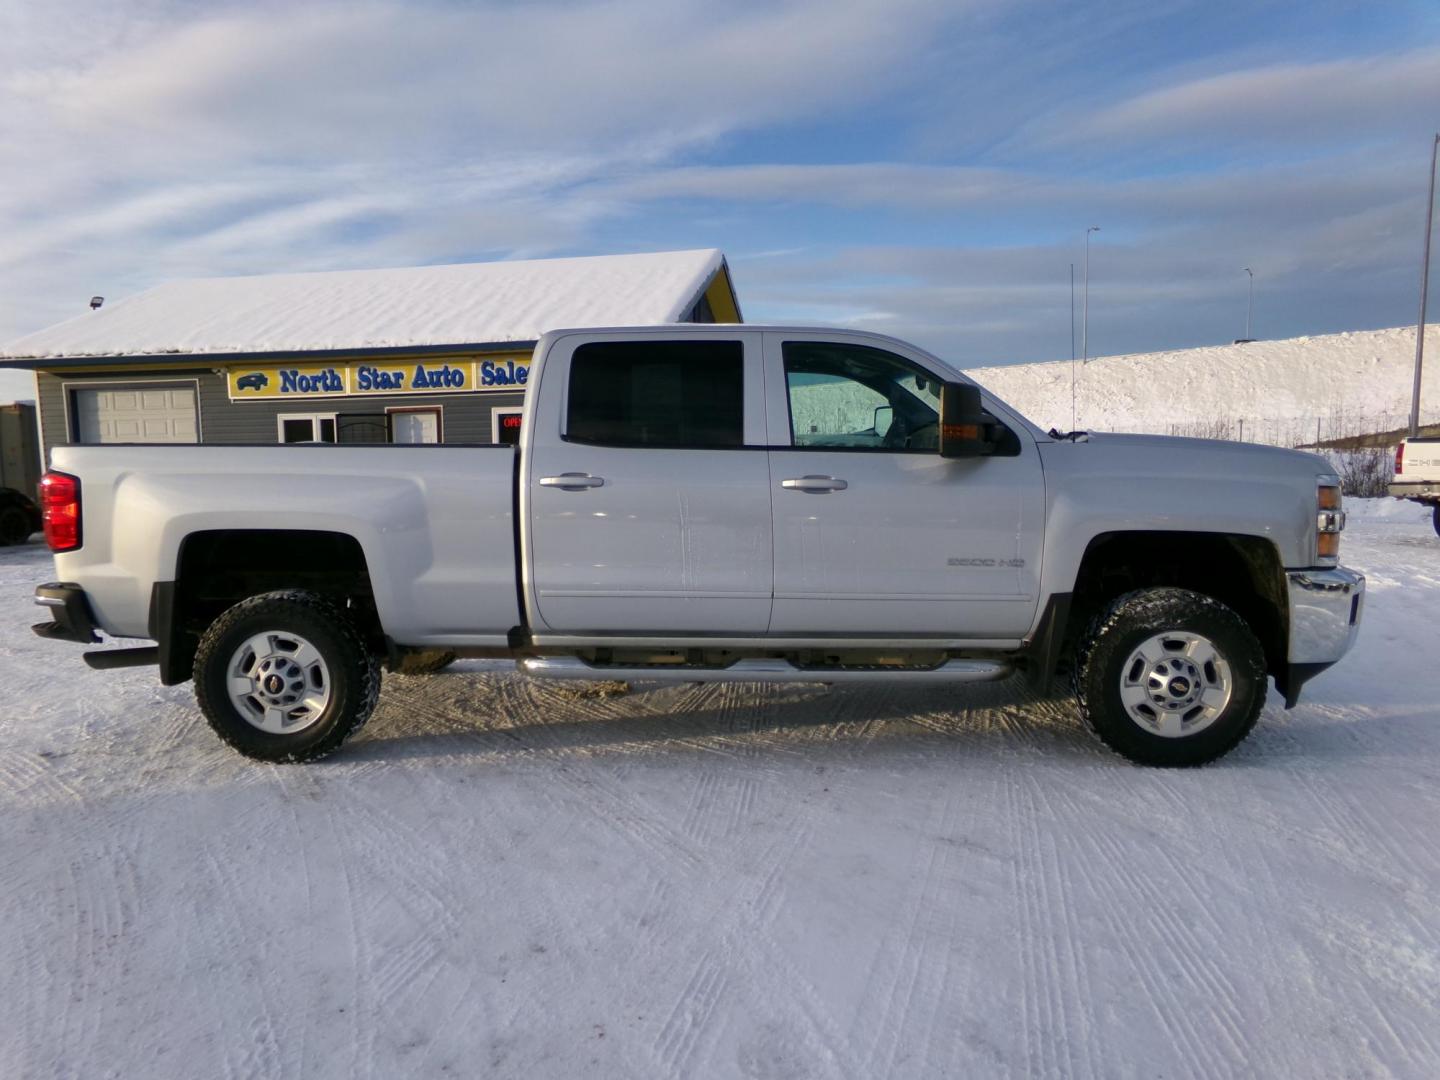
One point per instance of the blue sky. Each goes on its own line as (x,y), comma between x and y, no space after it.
(922,168)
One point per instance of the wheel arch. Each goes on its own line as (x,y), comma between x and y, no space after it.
(1243,571)
(218,568)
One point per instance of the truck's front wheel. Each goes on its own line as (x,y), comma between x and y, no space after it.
(285,676)
(1170,677)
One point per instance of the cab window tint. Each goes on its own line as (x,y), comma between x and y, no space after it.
(858,397)
(657,393)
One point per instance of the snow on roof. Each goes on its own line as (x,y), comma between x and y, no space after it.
(1360,379)
(465,303)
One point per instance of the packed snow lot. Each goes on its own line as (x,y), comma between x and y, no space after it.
(520,879)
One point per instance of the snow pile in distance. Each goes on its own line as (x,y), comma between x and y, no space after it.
(1348,383)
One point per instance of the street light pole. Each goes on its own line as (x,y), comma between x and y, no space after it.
(1072,346)
(1250,310)
(1085,317)
(1424,292)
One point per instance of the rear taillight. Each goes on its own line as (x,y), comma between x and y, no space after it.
(60,509)
(1399,459)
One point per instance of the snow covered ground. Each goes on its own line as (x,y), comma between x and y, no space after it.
(515,879)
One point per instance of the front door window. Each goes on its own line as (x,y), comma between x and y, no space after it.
(859,398)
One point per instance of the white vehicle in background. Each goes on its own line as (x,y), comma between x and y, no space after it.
(717,503)
(1417,474)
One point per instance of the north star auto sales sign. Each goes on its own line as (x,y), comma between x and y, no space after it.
(368,378)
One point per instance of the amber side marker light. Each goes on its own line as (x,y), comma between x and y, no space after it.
(60,510)
(1330,521)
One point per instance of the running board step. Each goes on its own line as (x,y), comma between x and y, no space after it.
(764,671)
(107,659)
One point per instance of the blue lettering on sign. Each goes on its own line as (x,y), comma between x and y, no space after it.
(324,382)
(443,378)
(369,378)
(508,374)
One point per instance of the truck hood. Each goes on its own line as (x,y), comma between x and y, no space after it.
(1186,457)
(1157,483)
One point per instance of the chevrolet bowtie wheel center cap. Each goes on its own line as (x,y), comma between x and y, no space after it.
(279,682)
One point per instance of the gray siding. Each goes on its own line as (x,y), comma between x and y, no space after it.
(465,417)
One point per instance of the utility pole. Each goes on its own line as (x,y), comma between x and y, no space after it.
(1072,346)
(1085,319)
(1072,312)
(1424,292)
(1250,310)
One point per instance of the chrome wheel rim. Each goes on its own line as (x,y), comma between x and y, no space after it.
(1176,684)
(279,682)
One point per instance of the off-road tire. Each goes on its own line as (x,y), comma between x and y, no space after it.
(1435,519)
(424,663)
(14,526)
(354,674)
(1130,620)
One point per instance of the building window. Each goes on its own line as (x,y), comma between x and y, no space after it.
(413,426)
(505,425)
(657,393)
(306,427)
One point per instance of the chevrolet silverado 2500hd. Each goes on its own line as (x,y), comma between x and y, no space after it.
(717,503)
(1417,475)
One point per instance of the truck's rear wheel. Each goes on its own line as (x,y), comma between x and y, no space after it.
(1170,677)
(285,676)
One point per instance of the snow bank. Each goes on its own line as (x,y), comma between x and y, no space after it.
(467,303)
(1349,383)
(1388,510)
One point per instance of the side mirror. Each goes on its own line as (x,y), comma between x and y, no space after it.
(884,416)
(962,422)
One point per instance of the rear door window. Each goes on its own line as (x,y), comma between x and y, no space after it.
(678,394)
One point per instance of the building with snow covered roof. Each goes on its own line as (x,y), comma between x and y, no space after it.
(421,354)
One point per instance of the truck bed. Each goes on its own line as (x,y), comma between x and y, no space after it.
(435,523)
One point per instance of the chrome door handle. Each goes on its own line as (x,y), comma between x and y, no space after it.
(572,481)
(818,485)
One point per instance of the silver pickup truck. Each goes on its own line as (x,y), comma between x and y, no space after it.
(717,503)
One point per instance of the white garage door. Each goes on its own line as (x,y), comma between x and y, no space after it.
(160,415)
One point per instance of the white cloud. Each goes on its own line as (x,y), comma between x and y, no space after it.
(1293,102)
(156,140)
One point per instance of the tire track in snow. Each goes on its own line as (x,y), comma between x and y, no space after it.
(253,1051)
(1162,912)
(690,1017)
(1069,959)
(910,956)
(1044,1020)
(746,912)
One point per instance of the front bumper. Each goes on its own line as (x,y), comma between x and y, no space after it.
(1325,609)
(70,618)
